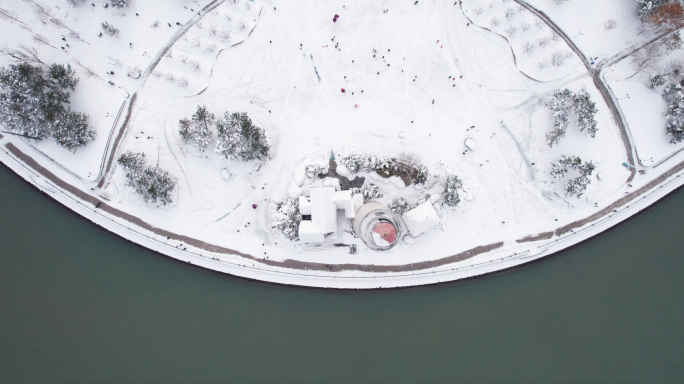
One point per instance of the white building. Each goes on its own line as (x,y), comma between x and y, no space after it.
(322,205)
(421,219)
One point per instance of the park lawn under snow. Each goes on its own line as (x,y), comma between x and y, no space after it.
(510,193)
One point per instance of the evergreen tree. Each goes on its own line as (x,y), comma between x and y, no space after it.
(561,104)
(657,81)
(240,139)
(577,185)
(151,183)
(196,131)
(109,29)
(676,129)
(398,205)
(586,112)
(451,186)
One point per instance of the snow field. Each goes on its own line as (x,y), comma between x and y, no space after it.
(538,52)
(308,118)
(584,21)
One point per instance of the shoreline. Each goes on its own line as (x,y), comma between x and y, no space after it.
(497,257)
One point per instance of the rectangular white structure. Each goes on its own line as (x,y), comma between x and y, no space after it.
(322,206)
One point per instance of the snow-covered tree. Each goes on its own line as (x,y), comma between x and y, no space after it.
(563,102)
(451,185)
(586,112)
(657,81)
(109,29)
(645,7)
(120,3)
(398,205)
(33,103)
(313,170)
(240,139)
(195,131)
(561,105)
(574,186)
(352,162)
(369,191)
(672,42)
(287,219)
(151,183)
(676,129)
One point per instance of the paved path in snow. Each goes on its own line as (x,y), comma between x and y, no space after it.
(598,81)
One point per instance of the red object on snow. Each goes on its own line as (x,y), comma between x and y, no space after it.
(335,20)
(337,16)
(386,231)
(343,90)
(254,206)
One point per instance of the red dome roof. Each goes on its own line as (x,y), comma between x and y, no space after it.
(386,231)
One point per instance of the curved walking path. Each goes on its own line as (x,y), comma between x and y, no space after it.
(598,82)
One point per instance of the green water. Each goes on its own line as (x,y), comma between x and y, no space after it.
(79,305)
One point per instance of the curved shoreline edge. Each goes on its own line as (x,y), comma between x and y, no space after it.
(493,257)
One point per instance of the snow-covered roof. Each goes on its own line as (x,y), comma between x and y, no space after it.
(322,206)
(323,209)
(421,218)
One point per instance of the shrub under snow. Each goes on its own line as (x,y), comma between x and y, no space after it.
(451,186)
(369,191)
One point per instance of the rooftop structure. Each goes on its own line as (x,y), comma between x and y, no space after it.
(421,219)
(322,205)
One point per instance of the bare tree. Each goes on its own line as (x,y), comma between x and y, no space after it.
(524,26)
(495,21)
(509,13)
(511,31)
(478,10)
(210,48)
(559,2)
(196,42)
(89,72)
(242,25)
(212,30)
(9,15)
(610,24)
(170,77)
(183,82)
(539,24)
(23,54)
(543,42)
(169,53)
(195,65)
(674,69)
(528,48)
(157,74)
(558,58)
(645,58)
(183,59)
(76,36)
(114,61)
(543,64)
(224,36)
(42,40)
(134,72)
(555,37)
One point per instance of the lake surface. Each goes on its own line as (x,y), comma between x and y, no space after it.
(79,305)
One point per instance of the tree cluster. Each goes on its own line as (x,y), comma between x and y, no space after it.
(287,219)
(675,110)
(369,192)
(563,103)
(33,103)
(151,183)
(646,7)
(451,185)
(577,185)
(238,137)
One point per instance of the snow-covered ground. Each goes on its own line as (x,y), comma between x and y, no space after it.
(418,79)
